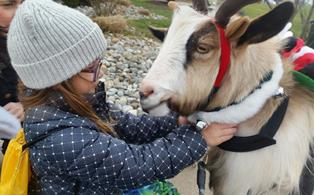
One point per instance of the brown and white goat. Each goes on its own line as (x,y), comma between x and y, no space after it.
(184,73)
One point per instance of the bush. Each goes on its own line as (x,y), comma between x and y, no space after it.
(104,7)
(85,2)
(111,23)
(310,38)
(126,3)
(71,3)
(143,11)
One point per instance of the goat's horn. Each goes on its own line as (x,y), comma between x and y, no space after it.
(200,6)
(173,5)
(228,8)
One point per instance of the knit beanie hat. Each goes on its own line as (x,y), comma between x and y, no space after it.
(49,43)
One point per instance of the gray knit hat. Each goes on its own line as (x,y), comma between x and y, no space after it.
(49,43)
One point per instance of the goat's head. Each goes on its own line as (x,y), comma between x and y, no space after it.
(184,73)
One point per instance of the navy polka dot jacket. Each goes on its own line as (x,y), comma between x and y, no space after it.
(77,158)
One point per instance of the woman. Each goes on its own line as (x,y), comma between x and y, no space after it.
(8,77)
(92,147)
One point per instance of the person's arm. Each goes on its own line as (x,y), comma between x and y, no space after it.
(110,162)
(131,128)
(9,125)
(141,129)
(16,109)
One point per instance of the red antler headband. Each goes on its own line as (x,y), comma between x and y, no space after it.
(225,55)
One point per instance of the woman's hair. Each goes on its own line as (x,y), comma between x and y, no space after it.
(77,103)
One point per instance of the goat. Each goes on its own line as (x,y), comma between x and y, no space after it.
(227,68)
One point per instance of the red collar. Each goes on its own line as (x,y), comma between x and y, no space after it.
(225,55)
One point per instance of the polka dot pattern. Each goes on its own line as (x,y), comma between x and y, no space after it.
(78,158)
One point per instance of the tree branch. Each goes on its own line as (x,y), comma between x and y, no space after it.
(306,24)
(269,4)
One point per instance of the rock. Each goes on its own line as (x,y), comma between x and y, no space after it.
(135,105)
(127,60)
(134,112)
(118,48)
(127,108)
(88,11)
(140,112)
(114,40)
(112,69)
(113,90)
(110,59)
(110,93)
(111,99)
(120,93)
(122,101)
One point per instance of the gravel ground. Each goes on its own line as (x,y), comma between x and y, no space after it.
(127,62)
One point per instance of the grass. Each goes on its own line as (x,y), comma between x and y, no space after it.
(162,9)
(155,7)
(142,24)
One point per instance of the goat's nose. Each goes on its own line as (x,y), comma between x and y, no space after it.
(146,91)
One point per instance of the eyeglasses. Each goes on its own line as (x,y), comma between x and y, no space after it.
(93,68)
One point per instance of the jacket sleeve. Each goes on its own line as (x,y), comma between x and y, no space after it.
(9,125)
(109,162)
(141,129)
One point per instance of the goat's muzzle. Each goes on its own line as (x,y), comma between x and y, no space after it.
(154,99)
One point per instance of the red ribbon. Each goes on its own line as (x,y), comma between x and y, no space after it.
(298,46)
(225,55)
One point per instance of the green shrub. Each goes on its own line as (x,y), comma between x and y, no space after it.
(71,3)
(104,7)
(115,24)
(143,11)
(126,3)
(310,38)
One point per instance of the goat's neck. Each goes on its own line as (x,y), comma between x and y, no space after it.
(247,69)
(255,123)
(237,89)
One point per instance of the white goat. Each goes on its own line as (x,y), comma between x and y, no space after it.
(254,88)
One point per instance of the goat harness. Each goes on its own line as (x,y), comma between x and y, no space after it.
(241,144)
(268,131)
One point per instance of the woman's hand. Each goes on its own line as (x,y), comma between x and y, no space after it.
(16,109)
(215,133)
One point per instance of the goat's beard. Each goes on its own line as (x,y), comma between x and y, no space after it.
(164,108)
(184,107)
(181,104)
(160,110)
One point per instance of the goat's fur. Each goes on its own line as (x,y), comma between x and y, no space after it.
(186,80)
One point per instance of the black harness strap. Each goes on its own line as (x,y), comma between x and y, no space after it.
(251,143)
(266,78)
(261,140)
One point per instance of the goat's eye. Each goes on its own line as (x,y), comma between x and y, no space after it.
(203,48)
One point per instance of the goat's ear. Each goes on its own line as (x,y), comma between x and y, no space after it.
(268,25)
(237,28)
(159,33)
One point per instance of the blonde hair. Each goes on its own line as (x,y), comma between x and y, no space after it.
(77,103)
